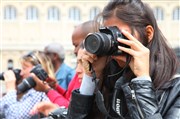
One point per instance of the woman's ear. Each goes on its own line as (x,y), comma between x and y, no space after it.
(149,32)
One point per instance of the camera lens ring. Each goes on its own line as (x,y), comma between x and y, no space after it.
(93,43)
(98,43)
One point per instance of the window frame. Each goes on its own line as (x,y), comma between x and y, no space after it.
(74,14)
(158,13)
(32,13)
(94,11)
(53,13)
(176,14)
(10,12)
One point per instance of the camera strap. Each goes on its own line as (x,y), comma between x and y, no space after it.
(100,99)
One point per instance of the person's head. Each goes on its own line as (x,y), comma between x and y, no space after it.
(56,52)
(81,31)
(33,58)
(137,18)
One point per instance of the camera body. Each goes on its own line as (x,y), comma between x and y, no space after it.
(104,42)
(59,113)
(29,82)
(39,72)
(16,72)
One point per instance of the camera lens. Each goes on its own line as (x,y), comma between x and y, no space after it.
(93,43)
(25,85)
(98,43)
(104,42)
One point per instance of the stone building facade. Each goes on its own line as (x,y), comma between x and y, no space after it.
(26,25)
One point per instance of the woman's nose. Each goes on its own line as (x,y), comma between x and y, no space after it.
(79,69)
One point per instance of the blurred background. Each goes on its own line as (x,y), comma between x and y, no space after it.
(26,25)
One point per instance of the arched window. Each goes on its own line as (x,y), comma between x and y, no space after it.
(176,13)
(159,14)
(10,64)
(53,14)
(9,13)
(93,12)
(74,14)
(31,13)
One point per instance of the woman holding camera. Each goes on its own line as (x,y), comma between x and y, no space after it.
(139,83)
(18,106)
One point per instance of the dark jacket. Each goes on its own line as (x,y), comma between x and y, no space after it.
(142,102)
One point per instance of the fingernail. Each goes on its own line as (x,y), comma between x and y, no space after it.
(123,30)
(119,47)
(118,39)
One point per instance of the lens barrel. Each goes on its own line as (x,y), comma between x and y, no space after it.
(98,43)
(25,85)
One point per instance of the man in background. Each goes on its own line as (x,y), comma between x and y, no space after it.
(81,31)
(63,72)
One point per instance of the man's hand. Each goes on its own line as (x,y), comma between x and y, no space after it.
(44,107)
(10,80)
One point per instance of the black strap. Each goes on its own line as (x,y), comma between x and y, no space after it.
(100,99)
(98,95)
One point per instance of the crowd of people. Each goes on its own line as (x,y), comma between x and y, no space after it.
(125,70)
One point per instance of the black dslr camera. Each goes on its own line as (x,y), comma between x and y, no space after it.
(16,72)
(17,75)
(29,82)
(104,42)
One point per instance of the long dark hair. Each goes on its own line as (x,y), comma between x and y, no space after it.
(136,14)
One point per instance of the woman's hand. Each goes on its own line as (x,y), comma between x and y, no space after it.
(44,107)
(98,63)
(10,80)
(140,54)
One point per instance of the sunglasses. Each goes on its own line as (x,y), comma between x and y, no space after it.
(33,56)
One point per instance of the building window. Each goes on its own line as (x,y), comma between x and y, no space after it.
(53,14)
(176,13)
(31,13)
(74,14)
(10,64)
(9,13)
(159,14)
(93,12)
